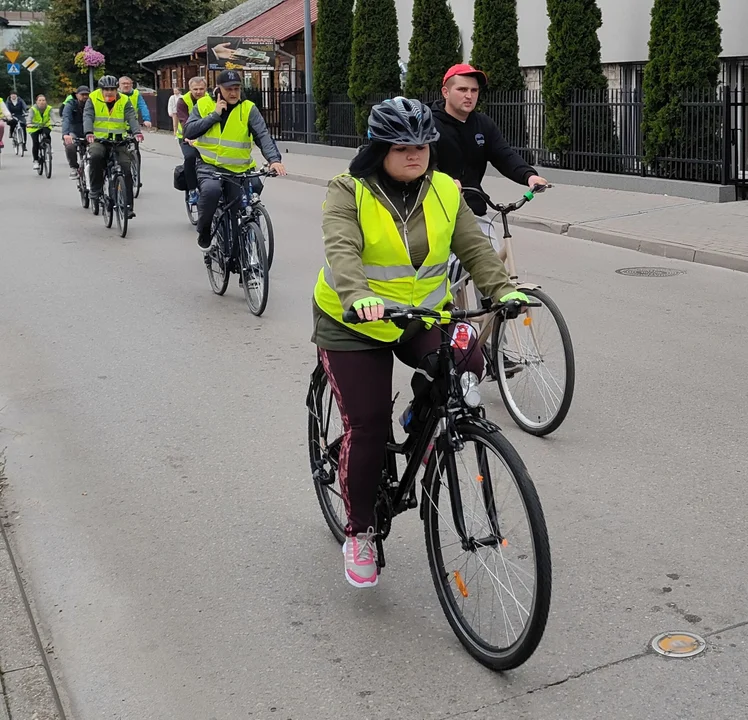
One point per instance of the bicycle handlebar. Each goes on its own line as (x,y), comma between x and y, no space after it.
(443,316)
(237,178)
(506,209)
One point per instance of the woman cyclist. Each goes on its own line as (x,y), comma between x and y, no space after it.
(389,226)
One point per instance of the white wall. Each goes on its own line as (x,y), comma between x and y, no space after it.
(624,35)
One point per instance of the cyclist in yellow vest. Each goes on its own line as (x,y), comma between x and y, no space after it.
(39,124)
(224,130)
(389,226)
(185,104)
(138,101)
(109,115)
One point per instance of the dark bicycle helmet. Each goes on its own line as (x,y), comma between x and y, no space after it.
(108,82)
(401,121)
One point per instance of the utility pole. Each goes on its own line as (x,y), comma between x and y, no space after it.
(90,43)
(308,68)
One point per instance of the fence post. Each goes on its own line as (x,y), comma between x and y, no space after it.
(727,136)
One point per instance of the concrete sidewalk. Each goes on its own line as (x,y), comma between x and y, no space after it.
(26,692)
(693,230)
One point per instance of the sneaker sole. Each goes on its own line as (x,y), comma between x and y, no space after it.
(353,583)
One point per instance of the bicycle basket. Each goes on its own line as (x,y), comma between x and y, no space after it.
(180,182)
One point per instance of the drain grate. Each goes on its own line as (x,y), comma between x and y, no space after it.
(656,272)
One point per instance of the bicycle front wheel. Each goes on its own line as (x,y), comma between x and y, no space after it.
(493,581)
(48,160)
(40,163)
(325,428)
(253,268)
(266,225)
(82,189)
(533,360)
(120,205)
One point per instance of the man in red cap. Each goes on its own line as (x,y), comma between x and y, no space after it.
(469,140)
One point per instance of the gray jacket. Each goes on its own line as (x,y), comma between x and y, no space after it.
(197,125)
(89,114)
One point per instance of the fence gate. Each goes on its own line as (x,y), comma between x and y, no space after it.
(738,140)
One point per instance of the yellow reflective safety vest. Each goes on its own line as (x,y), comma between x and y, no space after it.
(230,148)
(40,120)
(134,98)
(109,123)
(190,103)
(386,258)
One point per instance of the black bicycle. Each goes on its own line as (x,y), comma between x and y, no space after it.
(82,178)
(45,154)
(486,537)
(113,200)
(239,243)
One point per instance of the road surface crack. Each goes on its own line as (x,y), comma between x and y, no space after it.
(546,686)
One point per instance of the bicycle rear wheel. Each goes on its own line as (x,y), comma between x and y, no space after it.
(253,266)
(107,202)
(533,360)
(48,159)
(191,209)
(266,225)
(135,170)
(120,205)
(216,262)
(494,585)
(325,431)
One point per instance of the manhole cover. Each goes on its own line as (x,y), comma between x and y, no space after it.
(678,644)
(650,272)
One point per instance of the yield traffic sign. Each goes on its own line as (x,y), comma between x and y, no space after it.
(12,55)
(14,69)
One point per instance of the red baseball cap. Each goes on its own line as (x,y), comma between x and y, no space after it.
(466,69)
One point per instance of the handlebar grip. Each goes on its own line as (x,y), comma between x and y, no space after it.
(351,317)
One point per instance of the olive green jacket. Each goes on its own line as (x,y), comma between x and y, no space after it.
(344,244)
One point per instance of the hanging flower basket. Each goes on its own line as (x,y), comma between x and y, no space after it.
(89,58)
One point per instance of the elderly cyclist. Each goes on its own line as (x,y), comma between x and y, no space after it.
(389,226)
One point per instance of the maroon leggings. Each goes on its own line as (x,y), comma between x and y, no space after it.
(362,383)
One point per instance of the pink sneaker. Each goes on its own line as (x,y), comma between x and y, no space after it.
(360,560)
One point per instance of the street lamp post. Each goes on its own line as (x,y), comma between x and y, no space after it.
(90,43)
(308,66)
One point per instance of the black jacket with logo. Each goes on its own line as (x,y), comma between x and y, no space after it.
(465,148)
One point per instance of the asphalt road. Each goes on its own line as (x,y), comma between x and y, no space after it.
(163,514)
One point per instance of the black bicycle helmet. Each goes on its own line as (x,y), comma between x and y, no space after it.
(108,82)
(401,121)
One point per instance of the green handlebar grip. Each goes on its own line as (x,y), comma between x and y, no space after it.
(529,195)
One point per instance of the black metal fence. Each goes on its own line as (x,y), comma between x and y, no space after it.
(605,134)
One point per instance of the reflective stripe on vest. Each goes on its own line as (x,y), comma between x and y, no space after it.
(40,121)
(190,103)
(231,148)
(106,123)
(134,98)
(386,258)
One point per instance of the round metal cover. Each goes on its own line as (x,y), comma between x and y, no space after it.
(678,644)
(656,272)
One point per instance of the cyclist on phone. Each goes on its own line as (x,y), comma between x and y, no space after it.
(389,226)
(109,115)
(224,128)
(72,126)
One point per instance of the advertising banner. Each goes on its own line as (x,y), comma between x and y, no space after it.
(241,53)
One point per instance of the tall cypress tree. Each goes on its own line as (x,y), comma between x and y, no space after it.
(496,43)
(434,46)
(573,67)
(496,52)
(332,57)
(374,56)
